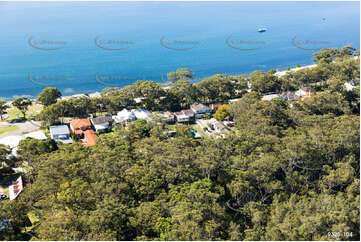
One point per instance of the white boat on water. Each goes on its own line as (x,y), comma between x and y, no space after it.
(262,30)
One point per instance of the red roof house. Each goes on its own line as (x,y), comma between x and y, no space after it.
(80,125)
(90,137)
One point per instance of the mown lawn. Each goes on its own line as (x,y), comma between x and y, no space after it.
(8,129)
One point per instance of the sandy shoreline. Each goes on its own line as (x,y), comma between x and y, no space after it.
(282,73)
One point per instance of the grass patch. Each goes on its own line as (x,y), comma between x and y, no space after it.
(4,130)
(33,110)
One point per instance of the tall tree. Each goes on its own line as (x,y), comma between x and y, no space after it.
(3,107)
(22,103)
(180,74)
(49,96)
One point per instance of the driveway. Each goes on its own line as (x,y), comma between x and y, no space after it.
(24,127)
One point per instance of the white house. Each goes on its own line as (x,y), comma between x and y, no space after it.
(15,188)
(60,133)
(213,126)
(101,123)
(141,113)
(184,116)
(124,116)
(168,116)
(269,97)
(305,92)
(217,126)
(199,109)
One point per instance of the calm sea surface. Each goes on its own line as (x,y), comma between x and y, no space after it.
(82,47)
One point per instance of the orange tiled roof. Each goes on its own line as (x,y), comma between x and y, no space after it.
(90,137)
(79,124)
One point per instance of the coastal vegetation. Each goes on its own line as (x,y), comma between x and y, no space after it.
(3,108)
(288,170)
(49,96)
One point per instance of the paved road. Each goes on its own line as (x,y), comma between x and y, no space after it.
(24,127)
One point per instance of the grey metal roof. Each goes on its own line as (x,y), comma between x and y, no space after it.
(101,119)
(59,129)
(199,106)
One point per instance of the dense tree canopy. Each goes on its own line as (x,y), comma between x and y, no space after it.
(288,170)
(49,96)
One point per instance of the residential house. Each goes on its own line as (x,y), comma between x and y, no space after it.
(74,96)
(124,116)
(16,188)
(90,137)
(234,100)
(80,125)
(269,97)
(101,123)
(212,126)
(305,92)
(185,116)
(141,113)
(214,107)
(60,133)
(200,109)
(288,96)
(168,116)
(217,126)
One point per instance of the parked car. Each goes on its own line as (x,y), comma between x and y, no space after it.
(16,120)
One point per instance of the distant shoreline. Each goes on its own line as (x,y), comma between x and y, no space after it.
(97,93)
(282,73)
(278,73)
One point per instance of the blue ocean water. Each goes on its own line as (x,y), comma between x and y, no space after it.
(82,47)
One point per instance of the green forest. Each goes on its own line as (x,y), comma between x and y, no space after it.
(288,170)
